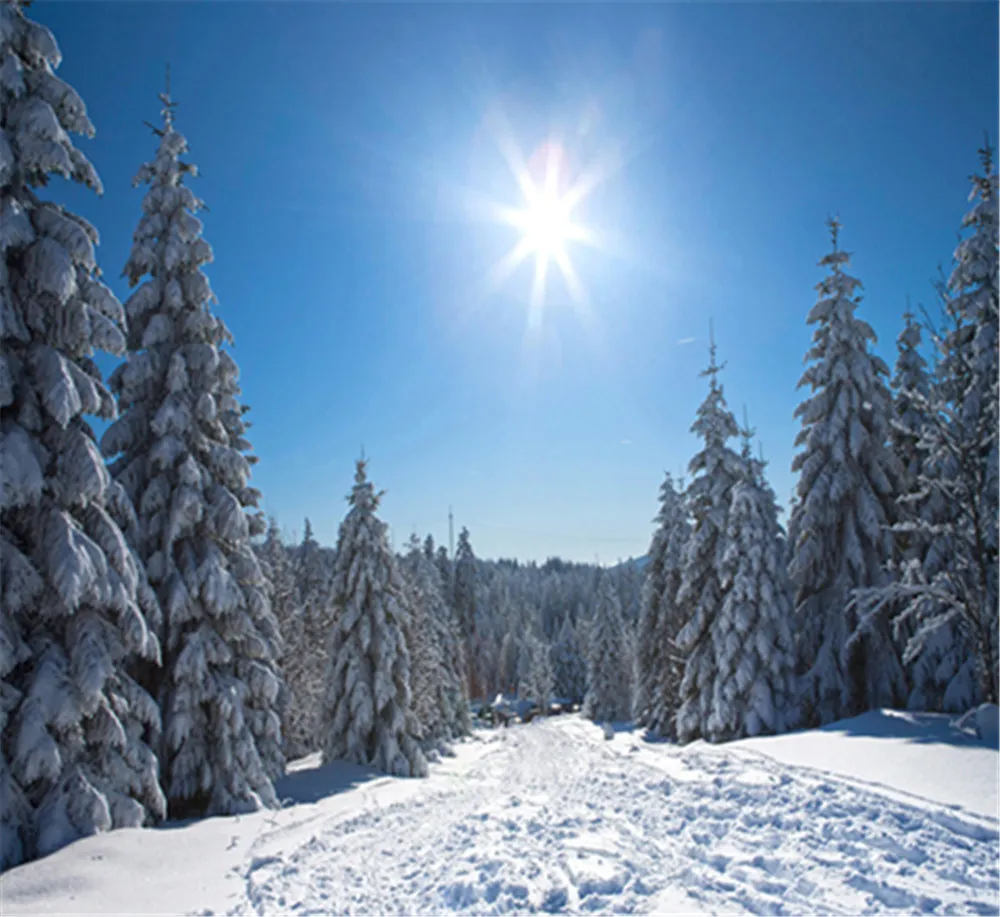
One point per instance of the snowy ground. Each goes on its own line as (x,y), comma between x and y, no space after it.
(550,817)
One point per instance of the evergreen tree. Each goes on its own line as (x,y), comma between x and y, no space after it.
(539,678)
(609,669)
(75,727)
(716,471)
(439,700)
(181,460)
(949,597)
(464,605)
(848,483)
(307,672)
(303,693)
(941,676)
(314,587)
(510,662)
(368,716)
(659,666)
(446,573)
(753,691)
(569,665)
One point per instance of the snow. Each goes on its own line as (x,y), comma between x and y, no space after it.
(926,755)
(552,817)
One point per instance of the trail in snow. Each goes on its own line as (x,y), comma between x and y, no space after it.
(551,818)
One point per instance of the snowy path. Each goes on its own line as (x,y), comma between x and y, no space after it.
(551,818)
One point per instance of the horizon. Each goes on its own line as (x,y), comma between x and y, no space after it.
(350,156)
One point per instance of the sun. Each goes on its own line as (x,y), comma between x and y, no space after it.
(545,220)
(546,224)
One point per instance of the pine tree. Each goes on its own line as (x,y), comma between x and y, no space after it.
(302,693)
(439,701)
(716,471)
(539,677)
(75,727)
(368,716)
(659,666)
(949,597)
(181,460)
(307,672)
(569,665)
(464,605)
(609,669)
(753,692)
(314,587)
(848,482)
(509,664)
(940,677)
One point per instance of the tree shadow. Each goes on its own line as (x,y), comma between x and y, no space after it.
(916,728)
(315,781)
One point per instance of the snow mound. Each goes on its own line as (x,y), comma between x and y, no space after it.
(927,755)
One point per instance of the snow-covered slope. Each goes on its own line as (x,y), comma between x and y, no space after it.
(552,817)
(921,754)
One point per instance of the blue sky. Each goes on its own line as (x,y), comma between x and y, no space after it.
(342,146)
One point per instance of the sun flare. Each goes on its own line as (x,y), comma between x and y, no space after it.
(546,222)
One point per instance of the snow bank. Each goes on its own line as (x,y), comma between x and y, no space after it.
(927,755)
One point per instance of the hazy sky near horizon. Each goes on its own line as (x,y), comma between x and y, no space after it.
(346,151)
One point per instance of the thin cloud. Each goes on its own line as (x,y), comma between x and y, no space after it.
(683,341)
(626,442)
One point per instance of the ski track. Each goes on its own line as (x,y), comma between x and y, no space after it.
(552,819)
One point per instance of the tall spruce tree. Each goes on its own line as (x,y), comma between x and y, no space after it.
(659,665)
(368,716)
(848,483)
(307,672)
(539,677)
(436,683)
(569,665)
(464,604)
(653,653)
(303,692)
(181,458)
(941,675)
(949,597)
(753,691)
(609,668)
(716,470)
(75,727)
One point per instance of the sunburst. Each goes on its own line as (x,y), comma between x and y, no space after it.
(546,220)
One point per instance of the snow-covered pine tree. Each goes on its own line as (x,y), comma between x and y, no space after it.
(942,675)
(457,712)
(648,652)
(431,681)
(659,666)
(464,605)
(848,483)
(313,577)
(303,693)
(307,641)
(715,470)
(539,678)
(509,664)
(368,716)
(446,573)
(950,599)
(181,458)
(75,727)
(609,668)
(569,665)
(753,690)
